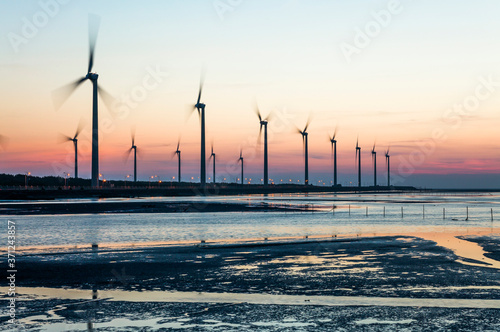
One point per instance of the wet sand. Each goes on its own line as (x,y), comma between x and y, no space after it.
(353,283)
(136,207)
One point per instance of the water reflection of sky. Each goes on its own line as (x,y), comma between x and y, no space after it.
(353,214)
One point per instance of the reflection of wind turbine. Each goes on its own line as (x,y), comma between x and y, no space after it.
(178,153)
(240,159)
(74,139)
(63,93)
(334,155)
(133,147)
(201,113)
(388,162)
(358,159)
(263,123)
(374,159)
(212,155)
(306,151)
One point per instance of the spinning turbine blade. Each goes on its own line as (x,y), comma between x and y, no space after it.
(63,138)
(202,82)
(270,116)
(307,123)
(60,95)
(299,131)
(260,134)
(79,129)
(94,22)
(257,111)
(126,155)
(211,152)
(132,135)
(108,99)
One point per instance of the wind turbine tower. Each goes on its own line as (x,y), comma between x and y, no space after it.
(358,158)
(304,134)
(178,153)
(74,139)
(241,160)
(134,147)
(201,113)
(263,123)
(334,153)
(374,159)
(212,155)
(388,162)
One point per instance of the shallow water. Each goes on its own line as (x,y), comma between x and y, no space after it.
(353,214)
(201,297)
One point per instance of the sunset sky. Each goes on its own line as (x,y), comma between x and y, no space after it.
(422,77)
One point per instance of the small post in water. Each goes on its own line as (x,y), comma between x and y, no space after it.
(492,214)
(467,213)
(384,211)
(423,211)
(444,213)
(349,209)
(367,211)
(402,215)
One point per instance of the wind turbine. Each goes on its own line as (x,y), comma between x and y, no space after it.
(63,93)
(178,153)
(212,155)
(263,123)
(201,113)
(74,139)
(388,162)
(358,159)
(133,147)
(374,159)
(241,160)
(306,151)
(334,153)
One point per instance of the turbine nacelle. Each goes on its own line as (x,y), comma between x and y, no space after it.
(199,106)
(92,76)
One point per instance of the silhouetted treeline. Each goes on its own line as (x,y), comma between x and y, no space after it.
(20,180)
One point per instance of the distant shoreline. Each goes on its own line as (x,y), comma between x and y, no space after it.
(185,190)
(42,193)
